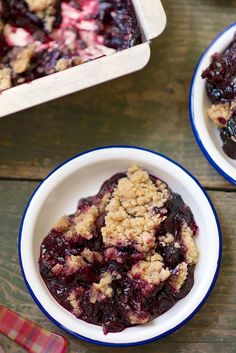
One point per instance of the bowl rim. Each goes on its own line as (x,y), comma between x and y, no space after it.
(191,109)
(168,332)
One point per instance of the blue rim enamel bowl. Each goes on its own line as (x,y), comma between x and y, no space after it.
(82,176)
(205,132)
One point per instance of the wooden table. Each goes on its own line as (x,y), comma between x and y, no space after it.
(149,109)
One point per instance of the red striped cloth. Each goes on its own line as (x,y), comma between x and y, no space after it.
(28,335)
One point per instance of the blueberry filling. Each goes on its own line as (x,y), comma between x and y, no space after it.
(221,89)
(118,282)
(228,136)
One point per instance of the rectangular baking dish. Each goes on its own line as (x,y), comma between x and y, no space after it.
(152,21)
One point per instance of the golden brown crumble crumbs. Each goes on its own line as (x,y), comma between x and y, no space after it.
(136,319)
(73,264)
(77,60)
(104,202)
(62,64)
(83,223)
(22,59)
(177,280)
(44,9)
(188,242)
(62,224)
(5,79)
(100,291)
(130,218)
(225,111)
(150,270)
(91,256)
(39,5)
(75,303)
(166,240)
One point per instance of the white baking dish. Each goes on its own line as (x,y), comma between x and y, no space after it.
(152,20)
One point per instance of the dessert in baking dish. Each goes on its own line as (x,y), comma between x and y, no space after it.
(41,37)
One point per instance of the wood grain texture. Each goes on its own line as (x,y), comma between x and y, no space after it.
(214,327)
(149,108)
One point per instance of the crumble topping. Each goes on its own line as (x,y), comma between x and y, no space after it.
(104,202)
(163,188)
(130,217)
(136,319)
(5,79)
(179,277)
(151,270)
(84,223)
(188,242)
(49,21)
(166,240)
(62,224)
(74,264)
(39,5)
(102,290)
(76,60)
(221,113)
(62,64)
(91,256)
(45,10)
(23,57)
(75,303)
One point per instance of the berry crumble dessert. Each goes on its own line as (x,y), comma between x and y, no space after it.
(41,37)
(221,89)
(127,254)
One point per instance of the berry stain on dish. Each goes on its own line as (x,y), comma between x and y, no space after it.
(127,254)
(41,37)
(221,89)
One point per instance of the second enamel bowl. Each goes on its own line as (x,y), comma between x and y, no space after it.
(206,134)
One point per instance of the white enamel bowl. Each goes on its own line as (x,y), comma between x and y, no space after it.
(82,176)
(206,134)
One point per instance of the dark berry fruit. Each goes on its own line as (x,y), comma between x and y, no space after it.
(220,75)
(231,127)
(172,255)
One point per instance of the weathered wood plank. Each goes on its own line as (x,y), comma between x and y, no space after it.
(214,326)
(148,108)
(159,347)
